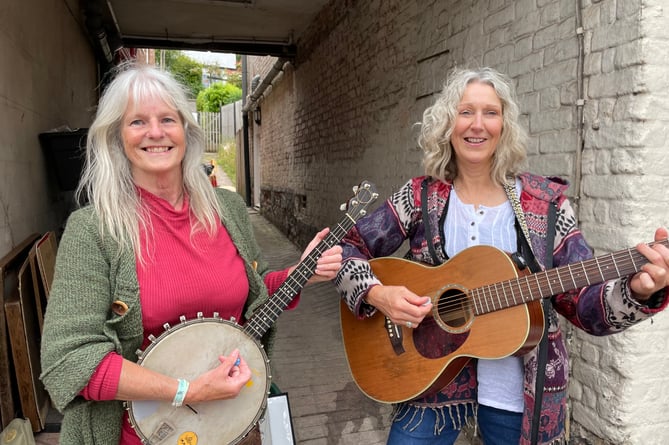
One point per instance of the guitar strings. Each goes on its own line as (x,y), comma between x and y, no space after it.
(588,272)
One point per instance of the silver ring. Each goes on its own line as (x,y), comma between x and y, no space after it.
(409,324)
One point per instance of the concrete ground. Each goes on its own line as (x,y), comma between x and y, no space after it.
(309,364)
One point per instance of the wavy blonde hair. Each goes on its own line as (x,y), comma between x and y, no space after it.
(107,182)
(439,121)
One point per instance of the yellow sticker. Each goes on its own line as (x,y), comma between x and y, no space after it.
(188,438)
(10,435)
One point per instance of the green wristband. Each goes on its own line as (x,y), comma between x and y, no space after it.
(182,389)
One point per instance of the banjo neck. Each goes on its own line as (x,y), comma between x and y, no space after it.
(267,314)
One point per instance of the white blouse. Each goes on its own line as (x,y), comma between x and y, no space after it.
(500,382)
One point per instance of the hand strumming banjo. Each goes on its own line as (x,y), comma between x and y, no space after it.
(192,347)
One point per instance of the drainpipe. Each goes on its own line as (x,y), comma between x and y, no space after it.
(580,103)
(257,92)
(245,137)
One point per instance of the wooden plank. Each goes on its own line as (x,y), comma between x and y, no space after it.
(43,264)
(24,336)
(47,247)
(9,267)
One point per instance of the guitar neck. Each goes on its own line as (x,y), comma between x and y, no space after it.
(267,314)
(545,284)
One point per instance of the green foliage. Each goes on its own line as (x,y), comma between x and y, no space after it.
(227,160)
(217,95)
(185,69)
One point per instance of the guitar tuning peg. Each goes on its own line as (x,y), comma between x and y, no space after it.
(342,207)
(355,189)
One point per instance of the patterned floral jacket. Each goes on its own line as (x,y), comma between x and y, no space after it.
(601,309)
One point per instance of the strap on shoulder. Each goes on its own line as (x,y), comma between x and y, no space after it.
(426,220)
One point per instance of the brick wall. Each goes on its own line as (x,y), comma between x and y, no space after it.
(344,111)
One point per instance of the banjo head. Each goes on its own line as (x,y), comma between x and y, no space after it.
(187,350)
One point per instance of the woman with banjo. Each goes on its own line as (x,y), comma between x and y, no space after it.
(156,242)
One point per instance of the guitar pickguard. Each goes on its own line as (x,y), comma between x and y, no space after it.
(431,341)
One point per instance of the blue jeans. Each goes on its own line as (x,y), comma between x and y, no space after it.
(416,426)
(498,426)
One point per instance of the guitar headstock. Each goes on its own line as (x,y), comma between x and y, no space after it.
(365,194)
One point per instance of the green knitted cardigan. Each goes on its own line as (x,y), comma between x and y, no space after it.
(80,329)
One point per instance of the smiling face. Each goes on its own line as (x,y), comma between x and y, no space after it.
(154,141)
(478,125)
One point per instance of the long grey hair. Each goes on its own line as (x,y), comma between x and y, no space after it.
(107,182)
(439,122)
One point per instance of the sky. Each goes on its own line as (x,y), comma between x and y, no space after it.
(223,60)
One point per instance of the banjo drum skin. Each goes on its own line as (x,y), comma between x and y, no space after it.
(186,351)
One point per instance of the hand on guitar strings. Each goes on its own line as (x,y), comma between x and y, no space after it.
(399,304)
(654,275)
(328,263)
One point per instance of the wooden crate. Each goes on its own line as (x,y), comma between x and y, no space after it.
(9,271)
(24,335)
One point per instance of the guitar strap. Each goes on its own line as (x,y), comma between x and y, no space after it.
(525,249)
(426,220)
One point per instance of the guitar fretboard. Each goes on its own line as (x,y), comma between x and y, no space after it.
(545,284)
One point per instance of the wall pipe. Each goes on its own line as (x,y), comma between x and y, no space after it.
(580,103)
(245,137)
(256,94)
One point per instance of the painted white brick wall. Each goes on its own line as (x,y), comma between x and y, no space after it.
(366,71)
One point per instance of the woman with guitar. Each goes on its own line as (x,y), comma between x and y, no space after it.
(155,242)
(476,198)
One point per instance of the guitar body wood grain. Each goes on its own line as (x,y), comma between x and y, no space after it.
(437,350)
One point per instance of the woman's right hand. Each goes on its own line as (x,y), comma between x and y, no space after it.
(223,382)
(399,304)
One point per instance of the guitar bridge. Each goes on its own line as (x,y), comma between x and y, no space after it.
(395,336)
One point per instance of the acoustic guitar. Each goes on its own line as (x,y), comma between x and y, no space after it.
(192,347)
(483,307)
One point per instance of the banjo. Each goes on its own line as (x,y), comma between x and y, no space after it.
(192,347)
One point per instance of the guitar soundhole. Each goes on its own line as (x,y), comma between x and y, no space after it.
(453,310)
(445,333)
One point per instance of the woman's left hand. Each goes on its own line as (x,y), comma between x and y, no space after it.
(655,274)
(329,262)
